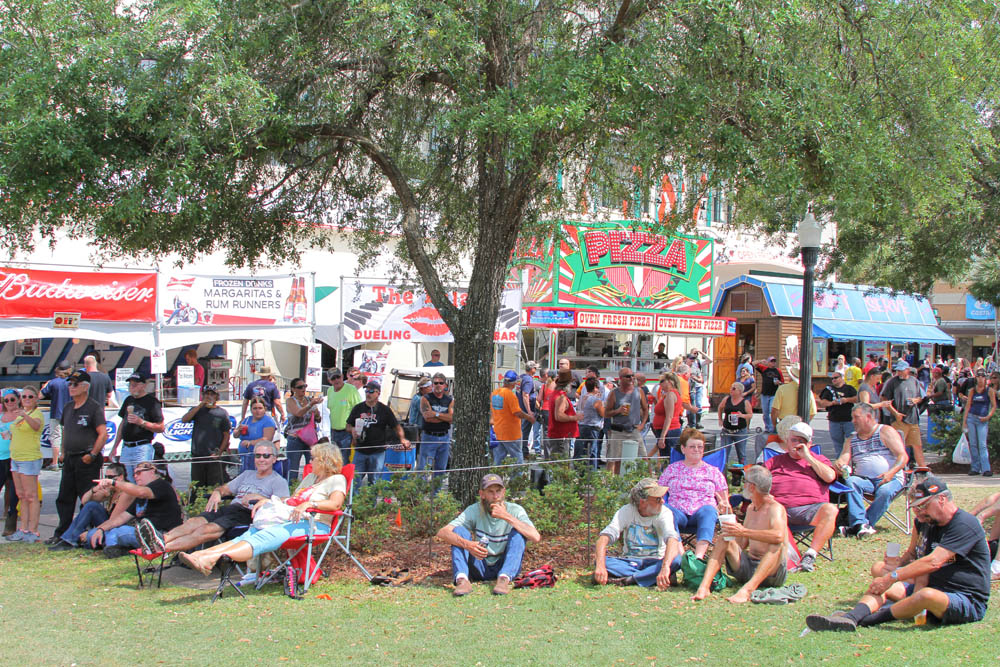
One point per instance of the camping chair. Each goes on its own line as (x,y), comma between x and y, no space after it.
(300,561)
(149,568)
(904,523)
(803,533)
(716,458)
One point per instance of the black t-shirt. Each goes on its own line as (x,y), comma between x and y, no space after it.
(80,426)
(163,510)
(209,425)
(100,387)
(771,379)
(838,413)
(732,419)
(969,572)
(372,426)
(146,408)
(439,406)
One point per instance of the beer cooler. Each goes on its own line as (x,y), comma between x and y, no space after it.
(217,373)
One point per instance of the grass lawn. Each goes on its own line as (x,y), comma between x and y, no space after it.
(76,607)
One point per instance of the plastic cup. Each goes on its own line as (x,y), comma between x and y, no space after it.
(728,518)
(130,409)
(626,409)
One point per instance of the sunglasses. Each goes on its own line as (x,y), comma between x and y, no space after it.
(627,376)
(139,470)
(11,399)
(300,386)
(262,456)
(440,383)
(370,391)
(72,383)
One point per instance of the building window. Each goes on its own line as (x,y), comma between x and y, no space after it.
(745,302)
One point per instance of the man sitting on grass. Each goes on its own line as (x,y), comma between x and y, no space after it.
(946,570)
(650,541)
(754,552)
(801,483)
(500,529)
(249,487)
(155,500)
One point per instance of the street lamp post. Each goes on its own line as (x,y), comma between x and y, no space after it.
(810,236)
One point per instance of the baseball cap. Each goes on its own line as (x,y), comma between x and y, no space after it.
(63,366)
(210,389)
(931,486)
(510,376)
(136,377)
(772,358)
(647,487)
(373,386)
(803,429)
(334,373)
(490,480)
(79,376)
(901,365)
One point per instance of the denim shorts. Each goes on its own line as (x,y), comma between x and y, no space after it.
(961,609)
(26,467)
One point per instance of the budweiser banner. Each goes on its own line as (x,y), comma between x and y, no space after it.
(377,312)
(187,299)
(96,295)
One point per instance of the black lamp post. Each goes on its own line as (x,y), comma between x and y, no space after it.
(810,237)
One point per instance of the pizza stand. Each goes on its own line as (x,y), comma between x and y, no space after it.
(605,294)
(156,314)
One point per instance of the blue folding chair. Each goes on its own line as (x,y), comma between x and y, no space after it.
(803,534)
(716,458)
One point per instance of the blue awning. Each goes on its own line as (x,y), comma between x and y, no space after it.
(881,331)
(849,312)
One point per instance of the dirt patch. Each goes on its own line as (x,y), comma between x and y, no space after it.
(946,467)
(430,560)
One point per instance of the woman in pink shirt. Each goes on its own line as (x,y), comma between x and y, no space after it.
(698,491)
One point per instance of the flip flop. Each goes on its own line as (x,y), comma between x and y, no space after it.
(194,564)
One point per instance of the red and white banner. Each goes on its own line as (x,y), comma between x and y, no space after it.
(96,295)
(377,312)
(197,300)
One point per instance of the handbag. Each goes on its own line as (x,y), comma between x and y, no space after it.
(307,433)
(962,455)
(694,571)
(271,513)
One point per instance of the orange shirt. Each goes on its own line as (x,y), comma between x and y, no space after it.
(685,389)
(506,423)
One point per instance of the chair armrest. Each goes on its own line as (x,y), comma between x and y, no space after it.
(313,510)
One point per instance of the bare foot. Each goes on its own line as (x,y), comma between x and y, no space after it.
(194,563)
(210,559)
(740,597)
(700,594)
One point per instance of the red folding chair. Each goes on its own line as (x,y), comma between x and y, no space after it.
(299,567)
(150,568)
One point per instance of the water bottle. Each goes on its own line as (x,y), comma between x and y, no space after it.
(484,542)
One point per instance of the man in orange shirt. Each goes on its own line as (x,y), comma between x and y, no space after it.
(506,419)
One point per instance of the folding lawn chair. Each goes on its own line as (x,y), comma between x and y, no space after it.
(150,567)
(716,458)
(299,567)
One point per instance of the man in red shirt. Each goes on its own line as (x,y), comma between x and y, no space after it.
(801,482)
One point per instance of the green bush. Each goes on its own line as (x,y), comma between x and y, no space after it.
(948,430)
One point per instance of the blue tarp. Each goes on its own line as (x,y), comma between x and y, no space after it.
(850,312)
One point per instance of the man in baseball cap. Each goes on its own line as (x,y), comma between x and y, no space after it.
(506,416)
(949,557)
(903,394)
(650,541)
(487,539)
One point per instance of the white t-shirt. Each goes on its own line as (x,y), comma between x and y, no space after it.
(642,536)
(317,492)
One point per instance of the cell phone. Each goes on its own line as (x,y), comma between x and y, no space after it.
(892,550)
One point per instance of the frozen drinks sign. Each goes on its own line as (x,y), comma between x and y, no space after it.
(236,301)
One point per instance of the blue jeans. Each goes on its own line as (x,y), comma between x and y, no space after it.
(90,515)
(977,443)
(884,493)
(122,536)
(266,540)
(434,449)
(343,440)
(643,570)
(463,563)
(696,391)
(839,432)
(507,448)
(367,465)
(765,408)
(245,452)
(701,523)
(736,438)
(132,456)
(295,451)
(585,444)
(529,431)
(671,439)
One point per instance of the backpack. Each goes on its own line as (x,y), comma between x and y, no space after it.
(543,577)
(694,571)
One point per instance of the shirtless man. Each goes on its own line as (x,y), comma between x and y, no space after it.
(756,557)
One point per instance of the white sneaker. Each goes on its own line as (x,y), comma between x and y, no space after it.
(864,531)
